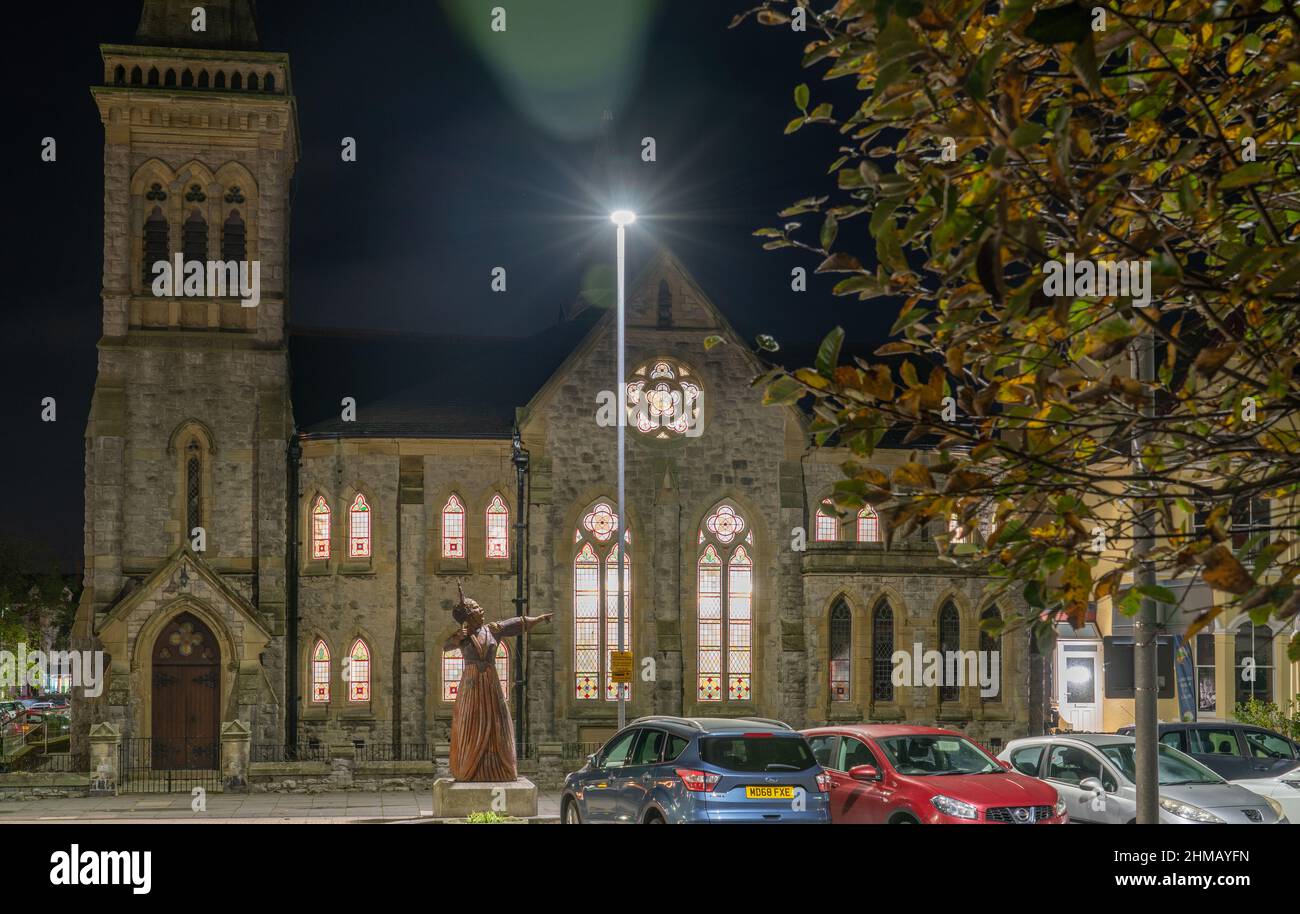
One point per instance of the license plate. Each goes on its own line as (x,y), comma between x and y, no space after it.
(769,793)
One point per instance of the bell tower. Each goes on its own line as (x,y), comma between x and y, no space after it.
(186,440)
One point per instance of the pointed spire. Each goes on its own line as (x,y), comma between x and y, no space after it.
(229,25)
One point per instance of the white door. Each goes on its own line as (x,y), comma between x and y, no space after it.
(1078,665)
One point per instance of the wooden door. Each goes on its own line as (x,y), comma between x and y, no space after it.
(186,696)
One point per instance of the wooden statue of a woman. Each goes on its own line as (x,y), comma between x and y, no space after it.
(482,734)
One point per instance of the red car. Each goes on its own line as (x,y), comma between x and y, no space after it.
(895,774)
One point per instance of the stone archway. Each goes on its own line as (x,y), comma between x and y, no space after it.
(185,695)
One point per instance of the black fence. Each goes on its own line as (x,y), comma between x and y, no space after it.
(168,765)
(282,752)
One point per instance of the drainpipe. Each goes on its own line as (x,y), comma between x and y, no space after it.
(291,596)
(519,457)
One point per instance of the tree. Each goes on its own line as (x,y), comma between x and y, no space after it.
(1046,191)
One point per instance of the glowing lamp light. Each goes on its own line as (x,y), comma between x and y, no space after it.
(1079,675)
(622,217)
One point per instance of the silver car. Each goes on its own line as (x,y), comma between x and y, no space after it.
(1094,774)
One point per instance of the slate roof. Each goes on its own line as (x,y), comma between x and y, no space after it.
(422,386)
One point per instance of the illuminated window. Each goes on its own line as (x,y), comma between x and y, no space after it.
(359,672)
(725,606)
(663,399)
(359,528)
(957,531)
(453,665)
(841,651)
(595,584)
(498,529)
(453,529)
(320,529)
(868,526)
(827,529)
(320,673)
(949,640)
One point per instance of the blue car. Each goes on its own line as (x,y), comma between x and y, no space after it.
(668,770)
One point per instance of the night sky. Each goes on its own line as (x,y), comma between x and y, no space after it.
(470,155)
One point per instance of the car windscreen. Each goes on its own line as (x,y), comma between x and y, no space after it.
(936,754)
(1174,767)
(761,752)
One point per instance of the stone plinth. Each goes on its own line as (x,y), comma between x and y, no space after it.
(455,800)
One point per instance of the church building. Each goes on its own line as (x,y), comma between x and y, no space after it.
(274,532)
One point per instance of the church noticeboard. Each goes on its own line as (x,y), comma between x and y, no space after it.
(620,666)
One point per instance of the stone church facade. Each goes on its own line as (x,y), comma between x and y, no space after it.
(317,605)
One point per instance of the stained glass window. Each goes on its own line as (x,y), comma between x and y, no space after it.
(841,651)
(359,672)
(453,665)
(359,528)
(320,529)
(992,646)
(868,526)
(949,640)
(827,529)
(663,399)
(595,584)
(453,529)
(882,652)
(320,673)
(498,529)
(725,607)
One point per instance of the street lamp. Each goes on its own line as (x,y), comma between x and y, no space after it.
(621,218)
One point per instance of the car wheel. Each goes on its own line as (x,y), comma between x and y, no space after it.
(903,820)
(571,815)
(654,818)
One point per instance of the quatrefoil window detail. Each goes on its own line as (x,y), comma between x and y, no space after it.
(185,639)
(196,194)
(156,193)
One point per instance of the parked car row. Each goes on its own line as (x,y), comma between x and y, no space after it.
(666,770)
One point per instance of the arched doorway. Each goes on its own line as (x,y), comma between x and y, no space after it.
(186,699)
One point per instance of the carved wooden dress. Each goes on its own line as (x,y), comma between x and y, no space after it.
(482,734)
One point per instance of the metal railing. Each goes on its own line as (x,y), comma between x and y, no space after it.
(282,752)
(168,764)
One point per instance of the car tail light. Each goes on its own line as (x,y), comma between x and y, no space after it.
(756,735)
(824,782)
(696,780)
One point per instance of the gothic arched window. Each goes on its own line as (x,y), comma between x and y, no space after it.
(949,640)
(359,528)
(194,237)
(841,652)
(882,652)
(320,672)
(193,486)
(359,672)
(320,528)
(453,529)
(156,240)
(827,527)
(868,525)
(663,400)
(992,646)
(453,665)
(725,607)
(595,585)
(498,529)
(233,241)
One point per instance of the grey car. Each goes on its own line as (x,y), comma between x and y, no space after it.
(1094,775)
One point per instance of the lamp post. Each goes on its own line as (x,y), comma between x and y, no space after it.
(621,218)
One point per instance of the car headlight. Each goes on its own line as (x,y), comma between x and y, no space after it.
(1277,807)
(955,808)
(1187,811)
(1293,784)
(1060,806)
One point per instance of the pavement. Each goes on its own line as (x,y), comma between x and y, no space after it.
(330,807)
